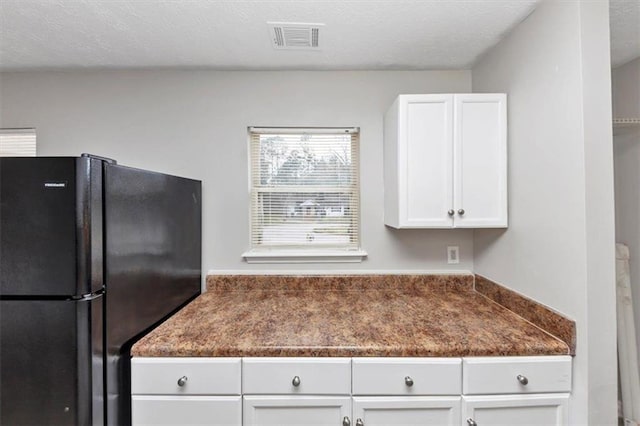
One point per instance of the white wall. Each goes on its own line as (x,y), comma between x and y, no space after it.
(600,212)
(626,144)
(194,123)
(559,248)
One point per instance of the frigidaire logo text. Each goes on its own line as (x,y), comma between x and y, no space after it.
(55,184)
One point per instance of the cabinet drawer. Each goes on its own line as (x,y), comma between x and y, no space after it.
(317,376)
(202,376)
(407,376)
(516,375)
(186,410)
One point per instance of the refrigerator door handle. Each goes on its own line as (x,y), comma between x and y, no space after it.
(89,296)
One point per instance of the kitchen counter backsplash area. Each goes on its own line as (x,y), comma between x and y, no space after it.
(538,314)
(359,316)
(323,283)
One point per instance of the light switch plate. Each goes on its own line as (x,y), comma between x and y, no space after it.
(453,254)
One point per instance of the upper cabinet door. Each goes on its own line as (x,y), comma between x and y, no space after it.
(480,161)
(419,162)
(445,161)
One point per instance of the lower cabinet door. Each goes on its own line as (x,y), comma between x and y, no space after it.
(406,411)
(186,410)
(521,410)
(296,410)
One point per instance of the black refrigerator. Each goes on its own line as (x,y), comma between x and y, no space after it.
(93,255)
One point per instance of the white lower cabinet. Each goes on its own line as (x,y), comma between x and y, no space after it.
(522,410)
(151,410)
(406,411)
(505,391)
(186,392)
(516,375)
(296,410)
(296,376)
(490,391)
(406,391)
(296,391)
(406,376)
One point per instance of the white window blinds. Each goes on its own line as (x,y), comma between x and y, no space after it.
(304,189)
(17,143)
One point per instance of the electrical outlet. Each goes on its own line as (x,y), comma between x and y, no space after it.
(453,254)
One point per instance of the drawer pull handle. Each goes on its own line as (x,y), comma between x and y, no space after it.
(451,212)
(346,421)
(471,422)
(182,381)
(408,381)
(523,380)
(296,381)
(359,422)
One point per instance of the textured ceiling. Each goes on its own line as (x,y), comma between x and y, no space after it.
(359,34)
(625,31)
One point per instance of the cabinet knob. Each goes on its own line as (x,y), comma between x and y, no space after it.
(359,422)
(182,381)
(461,212)
(451,212)
(471,422)
(296,381)
(346,421)
(408,381)
(522,379)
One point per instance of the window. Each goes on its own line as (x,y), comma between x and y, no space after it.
(17,143)
(305,195)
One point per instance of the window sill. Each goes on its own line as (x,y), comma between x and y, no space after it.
(293,256)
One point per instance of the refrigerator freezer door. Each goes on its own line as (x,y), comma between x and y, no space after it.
(51,221)
(38,222)
(153,264)
(51,369)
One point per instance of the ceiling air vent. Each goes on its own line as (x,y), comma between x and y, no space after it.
(293,35)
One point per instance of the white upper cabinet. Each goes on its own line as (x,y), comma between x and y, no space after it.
(480,161)
(445,161)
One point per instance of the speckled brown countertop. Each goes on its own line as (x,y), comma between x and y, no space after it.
(379,315)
